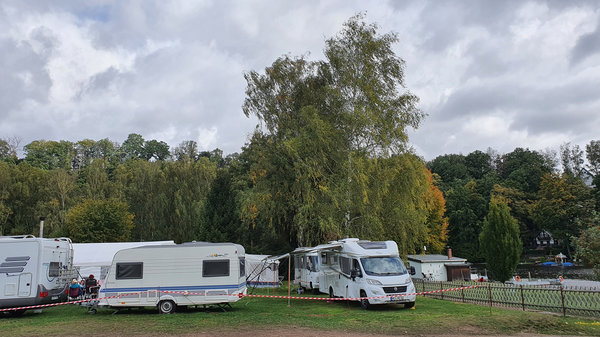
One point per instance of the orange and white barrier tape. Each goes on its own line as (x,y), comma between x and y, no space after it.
(241,295)
(39,306)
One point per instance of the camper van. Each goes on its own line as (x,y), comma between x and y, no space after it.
(34,270)
(306,268)
(354,268)
(167,276)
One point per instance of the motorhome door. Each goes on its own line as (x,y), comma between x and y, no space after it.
(25,285)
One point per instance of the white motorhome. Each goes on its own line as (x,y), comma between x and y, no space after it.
(34,270)
(307,267)
(166,276)
(354,268)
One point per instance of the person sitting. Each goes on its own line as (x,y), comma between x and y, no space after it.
(91,286)
(75,290)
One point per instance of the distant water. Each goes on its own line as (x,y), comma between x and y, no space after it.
(541,272)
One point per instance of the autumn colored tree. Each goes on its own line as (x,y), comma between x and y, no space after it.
(437,222)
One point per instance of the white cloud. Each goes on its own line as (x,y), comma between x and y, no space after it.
(489,74)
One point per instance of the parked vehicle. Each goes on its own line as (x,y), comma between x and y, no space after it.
(167,276)
(371,270)
(307,268)
(34,271)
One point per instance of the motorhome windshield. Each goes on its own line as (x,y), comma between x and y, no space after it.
(383,266)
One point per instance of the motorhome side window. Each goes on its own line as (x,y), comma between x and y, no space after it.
(242,266)
(129,270)
(214,268)
(54,269)
(324,258)
(345,265)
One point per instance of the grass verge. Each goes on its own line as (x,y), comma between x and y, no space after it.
(430,316)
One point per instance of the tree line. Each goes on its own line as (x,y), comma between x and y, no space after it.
(553,191)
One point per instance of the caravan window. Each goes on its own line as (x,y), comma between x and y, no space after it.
(54,269)
(129,270)
(213,268)
(242,266)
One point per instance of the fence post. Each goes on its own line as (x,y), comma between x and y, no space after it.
(522,298)
(462,292)
(490,296)
(442,288)
(562,299)
(423,284)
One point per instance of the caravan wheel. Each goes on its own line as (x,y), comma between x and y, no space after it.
(166,307)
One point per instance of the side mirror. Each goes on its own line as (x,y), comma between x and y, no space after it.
(412,270)
(353,274)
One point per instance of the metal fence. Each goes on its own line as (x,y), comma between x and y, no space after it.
(575,301)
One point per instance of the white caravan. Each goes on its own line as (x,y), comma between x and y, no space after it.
(166,276)
(34,270)
(354,268)
(307,267)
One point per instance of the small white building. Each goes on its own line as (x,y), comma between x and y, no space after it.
(436,267)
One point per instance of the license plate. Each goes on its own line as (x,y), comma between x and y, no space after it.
(54,297)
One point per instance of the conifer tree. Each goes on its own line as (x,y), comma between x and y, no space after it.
(499,241)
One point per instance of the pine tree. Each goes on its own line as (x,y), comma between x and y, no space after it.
(499,241)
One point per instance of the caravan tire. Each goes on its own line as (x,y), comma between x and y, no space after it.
(409,305)
(166,307)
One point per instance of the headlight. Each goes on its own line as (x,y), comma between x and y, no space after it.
(374,282)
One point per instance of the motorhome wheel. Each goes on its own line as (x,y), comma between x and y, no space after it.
(364,303)
(331,295)
(166,307)
(409,305)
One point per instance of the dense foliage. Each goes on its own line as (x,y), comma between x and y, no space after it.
(541,197)
(500,242)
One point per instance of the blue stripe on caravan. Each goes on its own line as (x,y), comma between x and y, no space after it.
(175,288)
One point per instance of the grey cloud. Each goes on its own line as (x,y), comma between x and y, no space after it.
(536,109)
(587,45)
(23,75)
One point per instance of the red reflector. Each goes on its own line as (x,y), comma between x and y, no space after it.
(43,294)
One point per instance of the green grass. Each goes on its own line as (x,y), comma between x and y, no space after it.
(430,316)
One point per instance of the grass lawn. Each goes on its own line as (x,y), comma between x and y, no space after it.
(430,316)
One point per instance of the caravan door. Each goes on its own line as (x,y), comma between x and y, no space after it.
(25,285)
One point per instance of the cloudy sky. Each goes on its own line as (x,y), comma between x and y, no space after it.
(499,74)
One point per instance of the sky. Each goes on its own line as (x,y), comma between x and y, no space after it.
(489,74)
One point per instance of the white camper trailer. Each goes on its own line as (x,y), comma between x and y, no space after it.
(307,267)
(34,270)
(354,268)
(166,276)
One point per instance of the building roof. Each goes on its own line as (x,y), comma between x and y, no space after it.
(429,258)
